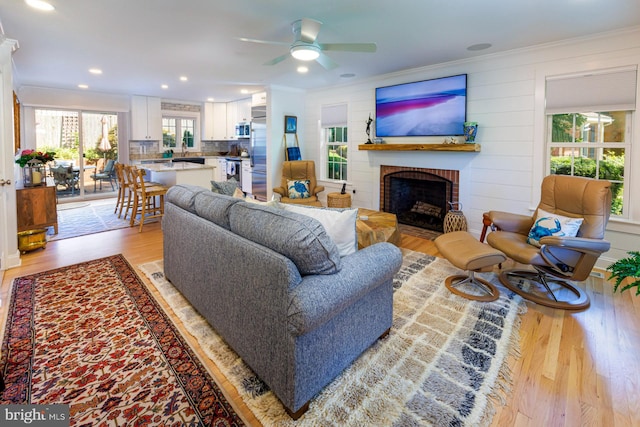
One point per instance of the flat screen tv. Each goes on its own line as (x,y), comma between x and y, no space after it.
(436,107)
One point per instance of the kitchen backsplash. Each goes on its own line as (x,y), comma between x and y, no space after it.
(142,150)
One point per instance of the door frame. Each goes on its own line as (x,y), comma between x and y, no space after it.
(9,254)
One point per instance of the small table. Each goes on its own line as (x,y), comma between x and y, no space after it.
(378,227)
(338,200)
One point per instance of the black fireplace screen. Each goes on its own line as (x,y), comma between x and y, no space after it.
(417,198)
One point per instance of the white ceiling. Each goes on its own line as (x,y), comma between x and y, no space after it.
(141,44)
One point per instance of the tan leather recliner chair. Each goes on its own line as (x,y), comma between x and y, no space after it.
(559,259)
(297,171)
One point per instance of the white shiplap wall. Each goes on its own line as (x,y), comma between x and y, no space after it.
(506,98)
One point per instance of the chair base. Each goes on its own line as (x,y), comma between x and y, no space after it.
(539,280)
(491,293)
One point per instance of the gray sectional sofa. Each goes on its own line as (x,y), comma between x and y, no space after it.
(272,284)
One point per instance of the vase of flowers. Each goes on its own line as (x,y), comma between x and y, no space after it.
(33,166)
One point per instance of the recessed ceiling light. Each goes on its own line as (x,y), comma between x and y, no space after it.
(244,91)
(40,5)
(183,78)
(95,70)
(479,46)
(210,99)
(164,86)
(83,86)
(302,69)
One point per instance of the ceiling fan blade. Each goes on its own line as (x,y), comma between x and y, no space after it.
(244,39)
(326,62)
(349,47)
(307,29)
(277,60)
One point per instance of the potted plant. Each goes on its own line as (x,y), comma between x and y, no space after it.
(626,267)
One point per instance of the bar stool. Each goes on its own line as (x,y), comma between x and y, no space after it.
(148,199)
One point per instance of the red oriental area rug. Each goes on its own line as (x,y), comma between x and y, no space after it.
(91,336)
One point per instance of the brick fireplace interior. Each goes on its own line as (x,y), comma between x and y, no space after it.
(419,197)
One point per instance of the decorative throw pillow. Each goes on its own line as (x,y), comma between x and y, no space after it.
(298,189)
(224,187)
(340,225)
(548,224)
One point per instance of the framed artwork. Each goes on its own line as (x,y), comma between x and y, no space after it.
(290,124)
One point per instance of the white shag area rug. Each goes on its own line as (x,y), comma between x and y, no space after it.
(444,362)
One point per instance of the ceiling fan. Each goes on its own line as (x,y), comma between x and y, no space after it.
(305,46)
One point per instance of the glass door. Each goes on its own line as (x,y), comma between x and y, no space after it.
(99,154)
(86,147)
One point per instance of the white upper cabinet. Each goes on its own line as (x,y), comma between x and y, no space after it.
(258,99)
(214,121)
(146,118)
(232,119)
(220,119)
(243,108)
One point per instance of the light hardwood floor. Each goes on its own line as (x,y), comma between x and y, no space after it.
(575,369)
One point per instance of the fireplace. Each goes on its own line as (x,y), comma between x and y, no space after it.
(419,197)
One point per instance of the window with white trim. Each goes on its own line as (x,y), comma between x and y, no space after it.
(178,130)
(589,131)
(335,148)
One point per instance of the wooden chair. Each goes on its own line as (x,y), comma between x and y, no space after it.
(148,200)
(122,190)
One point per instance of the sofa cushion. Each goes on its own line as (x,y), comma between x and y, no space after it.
(225,187)
(184,196)
(340,224)
(298,237)
(214,207)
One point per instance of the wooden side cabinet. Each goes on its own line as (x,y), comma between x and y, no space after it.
(36,208)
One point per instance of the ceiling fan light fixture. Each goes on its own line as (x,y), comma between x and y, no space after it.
(305,52)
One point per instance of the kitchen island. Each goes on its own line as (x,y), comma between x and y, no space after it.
(170,174)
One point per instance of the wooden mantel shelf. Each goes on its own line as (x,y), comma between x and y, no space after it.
(467,147)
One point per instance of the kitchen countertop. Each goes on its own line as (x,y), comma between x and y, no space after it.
(174,167)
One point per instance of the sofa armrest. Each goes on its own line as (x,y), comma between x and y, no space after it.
(511,222)
(281,191)
(319,298)
(317,189)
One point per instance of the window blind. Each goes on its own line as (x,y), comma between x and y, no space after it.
(598,91)
(333,115)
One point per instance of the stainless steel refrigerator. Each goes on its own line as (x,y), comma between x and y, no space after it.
(258,153)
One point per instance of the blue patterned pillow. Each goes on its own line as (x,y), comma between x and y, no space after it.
(548,224)
(298,189)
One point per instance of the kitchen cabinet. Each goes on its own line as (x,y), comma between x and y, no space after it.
(36,208)
(219,168)
(246,176)
(237,111)
(258,99)
(214,121)
(146,118)
(181,173)
(243,110)
(220,121)
(232,119)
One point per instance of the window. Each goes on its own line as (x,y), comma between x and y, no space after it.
(594,145)
(334,138)
(178,130)
(589,120)
(336,144)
